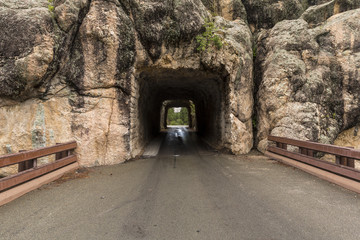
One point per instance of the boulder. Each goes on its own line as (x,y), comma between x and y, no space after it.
(31,51)
(266,13)
(319,13)
(26,50)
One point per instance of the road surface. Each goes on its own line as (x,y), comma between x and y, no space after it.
(201,195)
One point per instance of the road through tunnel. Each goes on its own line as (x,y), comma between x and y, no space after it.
(178,88)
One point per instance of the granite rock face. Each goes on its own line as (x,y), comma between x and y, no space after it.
(309,87)
(98,72)
(76,73)
(317,14)
(266,13)
(26,50)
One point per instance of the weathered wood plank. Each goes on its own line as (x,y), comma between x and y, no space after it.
(18,191)
(343,170)
(36,153)
(328,176)
(24,176)
(327,148)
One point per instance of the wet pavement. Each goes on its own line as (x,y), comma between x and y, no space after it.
(187,192)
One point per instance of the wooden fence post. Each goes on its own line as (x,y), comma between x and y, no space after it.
(337,159)
(63,154)
(310,153)
(22,166)
(303,150)
(351,162)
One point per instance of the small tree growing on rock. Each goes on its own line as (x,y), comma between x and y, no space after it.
(209,37)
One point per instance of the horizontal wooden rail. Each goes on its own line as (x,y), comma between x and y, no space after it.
(345,182)
(26,175)
(27,163)
(327,148)
(11,159)
(345,156)
(335,168)
(17,191)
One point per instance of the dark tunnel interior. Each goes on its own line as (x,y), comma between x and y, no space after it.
(205,90)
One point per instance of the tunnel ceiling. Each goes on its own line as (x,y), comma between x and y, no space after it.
(181,84)
(176,103)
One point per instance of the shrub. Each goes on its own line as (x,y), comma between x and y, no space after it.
(209,37)
(51,5)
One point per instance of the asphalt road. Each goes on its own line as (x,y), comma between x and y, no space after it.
(201,195)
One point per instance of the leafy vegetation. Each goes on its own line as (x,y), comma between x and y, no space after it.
(177,118)
(254,50)
(209,37)
(51,6)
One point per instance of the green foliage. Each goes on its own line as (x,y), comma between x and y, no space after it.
(254,51)
(51,6)
(209,37)
(180,118)
(333,116)
(214,14)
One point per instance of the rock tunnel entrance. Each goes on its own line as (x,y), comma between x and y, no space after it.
(160,89)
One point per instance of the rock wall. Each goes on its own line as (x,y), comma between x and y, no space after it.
(90,70)
(309,79)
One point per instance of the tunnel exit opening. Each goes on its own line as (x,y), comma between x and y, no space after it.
(178,113)
(203,94)
(177,116)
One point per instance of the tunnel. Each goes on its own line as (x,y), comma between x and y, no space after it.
(175,88)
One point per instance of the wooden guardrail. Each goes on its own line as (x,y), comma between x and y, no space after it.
(345,156)
(28,168)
